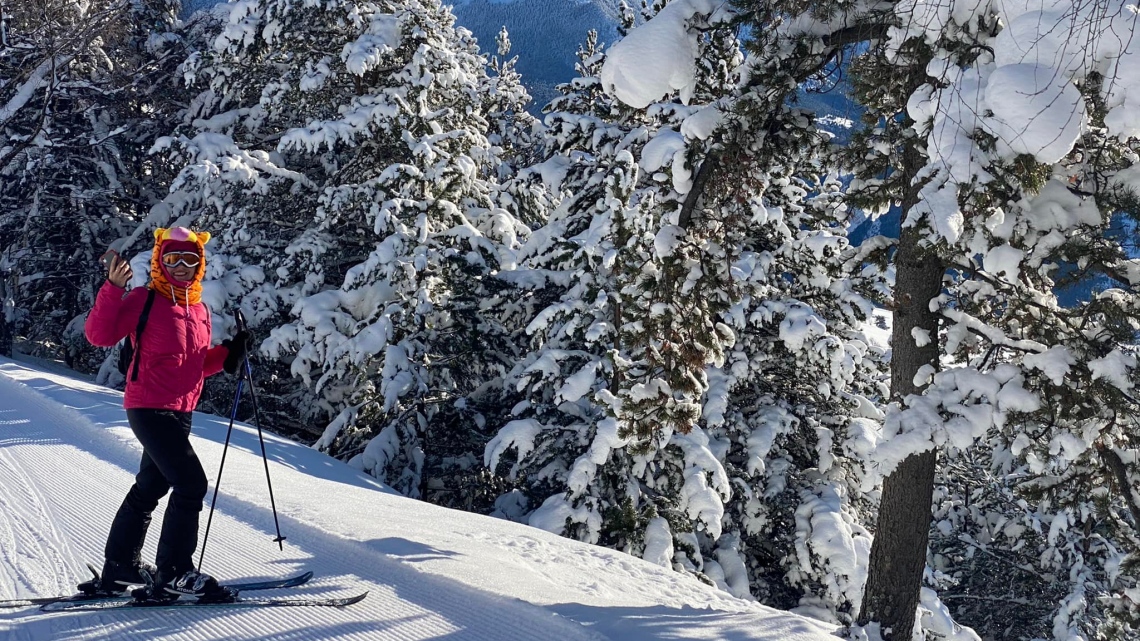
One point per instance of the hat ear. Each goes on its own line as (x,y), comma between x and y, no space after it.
(158,233)
(203,238)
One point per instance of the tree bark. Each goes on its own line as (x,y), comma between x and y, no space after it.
(1120,473)
(898,554)
(6,348)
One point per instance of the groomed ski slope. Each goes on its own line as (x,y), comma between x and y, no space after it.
(67,457)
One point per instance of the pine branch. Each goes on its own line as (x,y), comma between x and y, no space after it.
(994,599)
(18,148)
(1115,464)
(855,34)
(834,43)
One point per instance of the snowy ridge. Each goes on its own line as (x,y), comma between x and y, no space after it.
(66,457)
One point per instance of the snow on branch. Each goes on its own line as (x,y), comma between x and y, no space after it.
(669,40)
(37,80)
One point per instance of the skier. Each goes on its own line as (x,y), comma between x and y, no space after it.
(171,360)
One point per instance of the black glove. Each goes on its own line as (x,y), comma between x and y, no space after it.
(238,347)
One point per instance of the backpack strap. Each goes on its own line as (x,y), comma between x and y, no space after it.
(139,332)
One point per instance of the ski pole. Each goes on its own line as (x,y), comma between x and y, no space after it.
(240,318)
(218,483)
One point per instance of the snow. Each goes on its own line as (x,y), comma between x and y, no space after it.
(606,440)
(668,42)
(67,457)
(367,52)
(1074,40)
(1116,368)
(1036,111)
(1055,207)
(518,433)
(921,336)
(823,530)
(1004,261)
(800,324)
(667,148)
(733,567)
(877,329)
(925,16)
(974,400)
(1054,363)
(36,80)
(658,543)
(579,384)
(667,239)
(1022,90)
(701,124)
(703,501)
(1123,117)
(953,113)
(1043,49)
(935,617)
(1031,108)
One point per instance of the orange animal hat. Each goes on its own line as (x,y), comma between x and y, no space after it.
(178,239)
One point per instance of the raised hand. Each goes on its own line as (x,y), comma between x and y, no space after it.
(118,270)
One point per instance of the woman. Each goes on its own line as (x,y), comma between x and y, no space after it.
(173,358)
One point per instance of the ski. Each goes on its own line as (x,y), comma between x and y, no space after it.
(102,606)
(271,584)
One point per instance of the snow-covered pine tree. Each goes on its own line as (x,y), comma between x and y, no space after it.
(794,407)
(517,141)
(795,403)
(1006,134)
(625,324)
(235,181)
(515,134)
(377,140)
(1061,505)
(708,495)
(84,90)
(340,151)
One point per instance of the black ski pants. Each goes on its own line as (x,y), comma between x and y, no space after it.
(168,462)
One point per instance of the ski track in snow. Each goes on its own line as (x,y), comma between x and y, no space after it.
(33,546)
(67,458)
(30,541)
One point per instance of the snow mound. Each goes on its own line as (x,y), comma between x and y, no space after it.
(1036,111)
(668,43)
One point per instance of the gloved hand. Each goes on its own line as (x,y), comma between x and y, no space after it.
(238,347)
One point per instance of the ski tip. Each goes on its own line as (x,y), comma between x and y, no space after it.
(305,577)
(356,599)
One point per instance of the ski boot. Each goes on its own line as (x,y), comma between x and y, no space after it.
(117,578)
(192,583)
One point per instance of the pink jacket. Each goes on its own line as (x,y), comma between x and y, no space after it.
(175,355)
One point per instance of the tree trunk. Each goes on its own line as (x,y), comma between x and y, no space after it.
(5,336)
(898,555)
(6,330)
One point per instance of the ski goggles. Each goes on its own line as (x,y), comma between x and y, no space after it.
(174,259)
